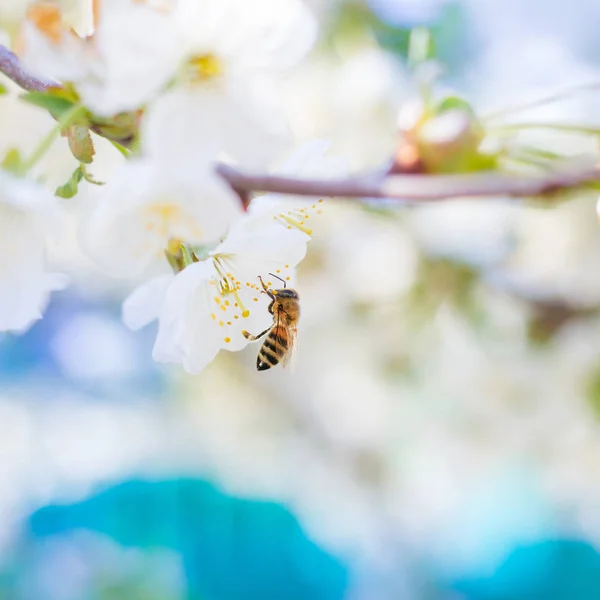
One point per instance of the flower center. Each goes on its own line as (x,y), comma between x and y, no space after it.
(160,217)
(229,286)
(203,67)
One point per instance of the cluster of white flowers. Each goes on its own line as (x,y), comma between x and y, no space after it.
(201,78)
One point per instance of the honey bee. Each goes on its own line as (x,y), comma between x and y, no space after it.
(281,336)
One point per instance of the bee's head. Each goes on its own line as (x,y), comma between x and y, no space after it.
(285,294)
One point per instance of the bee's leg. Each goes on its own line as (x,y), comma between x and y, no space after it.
(266,289)
(251,337)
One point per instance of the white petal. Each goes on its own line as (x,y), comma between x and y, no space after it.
(139,52)
(63,61)
(261,247)
(184,128)
(24,284)
(143,305)
(304,158)
(177,317)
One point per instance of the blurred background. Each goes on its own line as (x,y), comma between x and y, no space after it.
(440,436)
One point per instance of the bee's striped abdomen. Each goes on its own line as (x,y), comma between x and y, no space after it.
(273,349)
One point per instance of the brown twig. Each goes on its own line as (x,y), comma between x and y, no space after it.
(12,67)
(416,188)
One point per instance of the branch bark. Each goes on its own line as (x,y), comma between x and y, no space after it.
(12,67)
(418,188)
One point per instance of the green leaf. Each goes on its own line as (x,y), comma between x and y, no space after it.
(80,143)
(71,187)
(3,89)
(12,161)
(55,105)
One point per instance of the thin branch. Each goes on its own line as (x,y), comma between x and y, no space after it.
(418,188)
(568,92)
(12,67)
(563,127)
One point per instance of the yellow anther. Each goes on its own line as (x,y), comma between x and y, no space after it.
(227,340)
(246,314)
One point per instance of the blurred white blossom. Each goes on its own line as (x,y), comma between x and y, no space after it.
(28,213)
(145,205)
(223,99)
(131,55)
(77,13)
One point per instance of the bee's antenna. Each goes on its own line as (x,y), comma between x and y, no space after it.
(280,279)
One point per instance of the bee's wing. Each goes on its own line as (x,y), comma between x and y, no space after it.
(290,356)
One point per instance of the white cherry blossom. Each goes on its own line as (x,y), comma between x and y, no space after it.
(12,12)
(27,214)
(114,70)
(205,307)
(144,206)
(223,99)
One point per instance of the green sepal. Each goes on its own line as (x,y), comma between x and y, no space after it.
(121,128)
(71,187)
(80,143)
(187,255)
(174,261)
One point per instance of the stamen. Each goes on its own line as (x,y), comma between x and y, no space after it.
(297,224)
(203,67)
(226,287)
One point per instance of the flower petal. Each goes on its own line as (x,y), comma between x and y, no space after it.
(144,304)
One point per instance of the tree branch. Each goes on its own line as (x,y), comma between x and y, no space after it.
(415,188)
(418,188)
(12,67)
